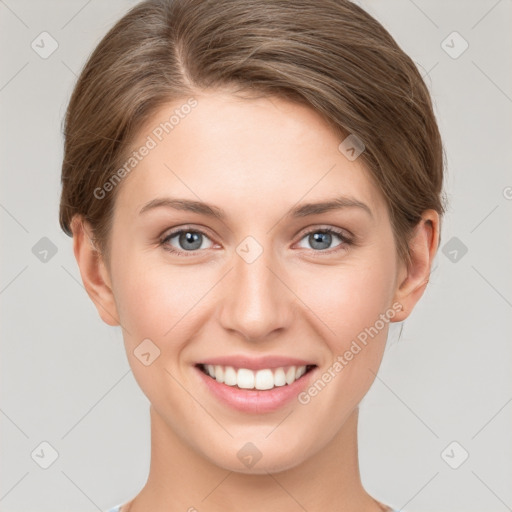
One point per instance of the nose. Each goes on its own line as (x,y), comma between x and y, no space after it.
(256,302)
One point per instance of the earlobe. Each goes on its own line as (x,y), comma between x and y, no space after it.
(413,281)
(93,271)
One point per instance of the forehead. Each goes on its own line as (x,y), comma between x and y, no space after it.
(239,152)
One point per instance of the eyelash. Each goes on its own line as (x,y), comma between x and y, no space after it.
(345,240)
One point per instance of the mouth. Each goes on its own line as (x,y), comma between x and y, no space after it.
(264,379)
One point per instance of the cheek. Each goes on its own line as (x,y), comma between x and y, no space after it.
(156,300)
(355,305)
(349,298)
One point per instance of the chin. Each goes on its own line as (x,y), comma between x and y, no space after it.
(252,461)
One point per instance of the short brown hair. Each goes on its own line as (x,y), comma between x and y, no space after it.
(328,54)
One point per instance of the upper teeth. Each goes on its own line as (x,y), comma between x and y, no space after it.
(249,379)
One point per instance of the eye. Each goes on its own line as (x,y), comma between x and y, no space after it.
(188,240)
(321,239)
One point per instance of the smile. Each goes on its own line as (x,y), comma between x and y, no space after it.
(262,379)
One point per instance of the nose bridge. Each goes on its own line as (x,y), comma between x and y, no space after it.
(255,302)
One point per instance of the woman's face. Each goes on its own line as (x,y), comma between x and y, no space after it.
(257,284)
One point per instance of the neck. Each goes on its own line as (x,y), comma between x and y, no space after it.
(181,479)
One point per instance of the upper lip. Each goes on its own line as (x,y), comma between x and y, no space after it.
(256,363)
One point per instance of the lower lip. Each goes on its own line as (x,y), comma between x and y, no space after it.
(254,400)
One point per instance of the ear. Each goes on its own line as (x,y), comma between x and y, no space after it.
(413,280)
(95,275)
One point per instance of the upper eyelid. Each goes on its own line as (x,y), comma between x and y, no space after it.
(337,231)
(173,232)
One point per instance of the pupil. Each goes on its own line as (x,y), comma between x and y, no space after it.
(191,238)
(321,238)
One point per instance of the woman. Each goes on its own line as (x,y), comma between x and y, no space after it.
(293,145)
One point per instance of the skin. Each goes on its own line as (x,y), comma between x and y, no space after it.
(256,159)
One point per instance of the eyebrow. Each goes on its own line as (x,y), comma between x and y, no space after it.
(302,210)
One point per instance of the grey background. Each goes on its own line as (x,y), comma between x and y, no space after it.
(65,379)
